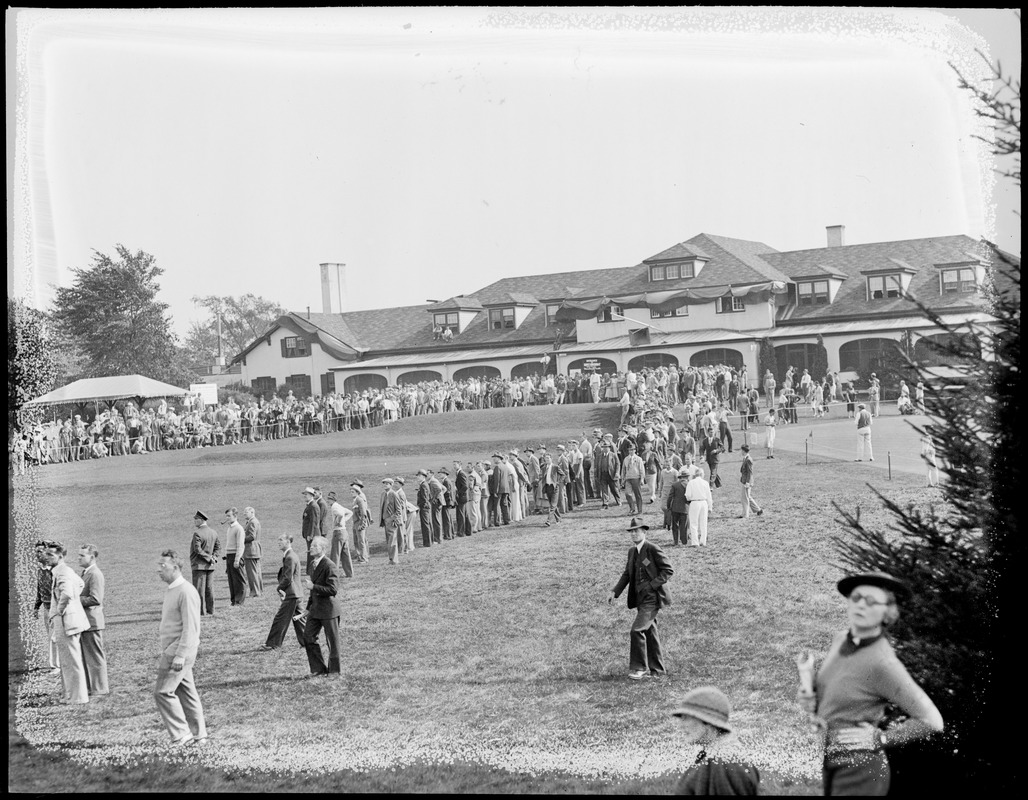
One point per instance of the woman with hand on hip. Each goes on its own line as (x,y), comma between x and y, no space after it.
(858,678)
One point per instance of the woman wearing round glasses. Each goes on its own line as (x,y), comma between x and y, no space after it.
(859,676)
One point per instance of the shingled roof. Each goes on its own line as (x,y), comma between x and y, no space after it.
(852,260)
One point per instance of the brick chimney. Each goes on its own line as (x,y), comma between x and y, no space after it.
(836,235)
(333,287)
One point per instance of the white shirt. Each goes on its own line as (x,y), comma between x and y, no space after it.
(341,515)
(699,489)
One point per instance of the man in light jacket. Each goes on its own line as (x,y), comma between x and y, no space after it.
(69,620)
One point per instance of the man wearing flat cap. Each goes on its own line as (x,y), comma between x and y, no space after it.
(646,572)
(204,550)
(311,521)
(424,502)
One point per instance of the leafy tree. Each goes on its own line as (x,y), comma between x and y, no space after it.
(112,314)
(767,360)
(243,319)
(962,559)
(31,366)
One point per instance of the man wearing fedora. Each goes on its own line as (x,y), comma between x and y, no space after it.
(647,570)
(204,552)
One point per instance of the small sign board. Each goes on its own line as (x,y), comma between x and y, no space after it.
(592,364)
(208,392)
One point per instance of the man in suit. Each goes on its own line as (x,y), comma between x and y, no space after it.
(679,507)
(252,551)
(493,485)
(311,521)
(505,486)
(178,702)
(550,480)
(535,492)
(394,516)
(462,489)
(204,552)
(68,619)
(424,508)
(449,494)
(92,640)
(290,593)
(607,470)
(646,573)
(235,546)
(325,520)
(407,531)
(324,607)
(437,499)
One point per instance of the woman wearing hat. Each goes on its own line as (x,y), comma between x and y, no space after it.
(703,714)
(858,678)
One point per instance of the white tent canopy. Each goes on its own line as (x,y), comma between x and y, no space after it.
(118,387)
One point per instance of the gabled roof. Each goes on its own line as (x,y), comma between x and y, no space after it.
(513,299)
(589,283)
(459,303)
(920,255)
(682,250)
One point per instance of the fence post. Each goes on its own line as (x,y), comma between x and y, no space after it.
(806,451)
(889,454)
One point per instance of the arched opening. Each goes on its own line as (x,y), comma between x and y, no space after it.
(366,380)
(419,376)
(933,350)
(482,371)
(652,361)
(530,368)
(600,365)
(716,356)
(799,355)
(865,356)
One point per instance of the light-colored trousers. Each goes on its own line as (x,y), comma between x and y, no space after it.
(748,503)
(69,655)
(698,522)
(95,661)
(408,533)
(475,507)
(54,663)
(515,503)
(178,702)
(392,541)
(864,443)
(253,576)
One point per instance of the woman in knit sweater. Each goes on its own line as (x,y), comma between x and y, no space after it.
(859,676)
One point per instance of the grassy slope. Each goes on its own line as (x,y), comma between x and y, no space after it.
(497,652)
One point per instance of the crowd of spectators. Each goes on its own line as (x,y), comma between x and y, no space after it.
(133,430)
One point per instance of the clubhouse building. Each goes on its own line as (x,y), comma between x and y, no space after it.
(707,300)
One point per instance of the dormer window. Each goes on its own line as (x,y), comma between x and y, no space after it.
(608,312)
(501,318)
(956,281)
(672,272)
(884,286)
(450,320)
(727,305)
(294,347)
(812,293)
(551,313)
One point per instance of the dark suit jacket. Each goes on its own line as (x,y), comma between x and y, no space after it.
(92,597)
(324,602)
(462,486)
(253,539)
(450,492)
(204,549)
(676,498)
(326,520)
(656,565)
(311,520)
(424,496)
(493,484)
(289,575)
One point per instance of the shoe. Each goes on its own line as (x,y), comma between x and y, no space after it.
(772,456)
(870,459)
(199,742)
(655,674)
(547,524)
(760,513)
(637,674)
(54,671)
(858,459)
(183,741)
(605,507)
(265,648)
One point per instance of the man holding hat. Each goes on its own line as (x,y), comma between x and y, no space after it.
(311,521)
(646,573)
(746,478)
(864,433)
(203,554)
(703,714)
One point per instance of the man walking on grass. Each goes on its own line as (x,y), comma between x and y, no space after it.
(645,575)
(324,607)
(746,478)
(290,593)
(178,702)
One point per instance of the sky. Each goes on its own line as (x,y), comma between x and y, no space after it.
(434,151)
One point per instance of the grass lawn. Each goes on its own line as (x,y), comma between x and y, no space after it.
(484,664)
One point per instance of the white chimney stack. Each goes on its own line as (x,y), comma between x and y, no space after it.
(333,287)
(836,235)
